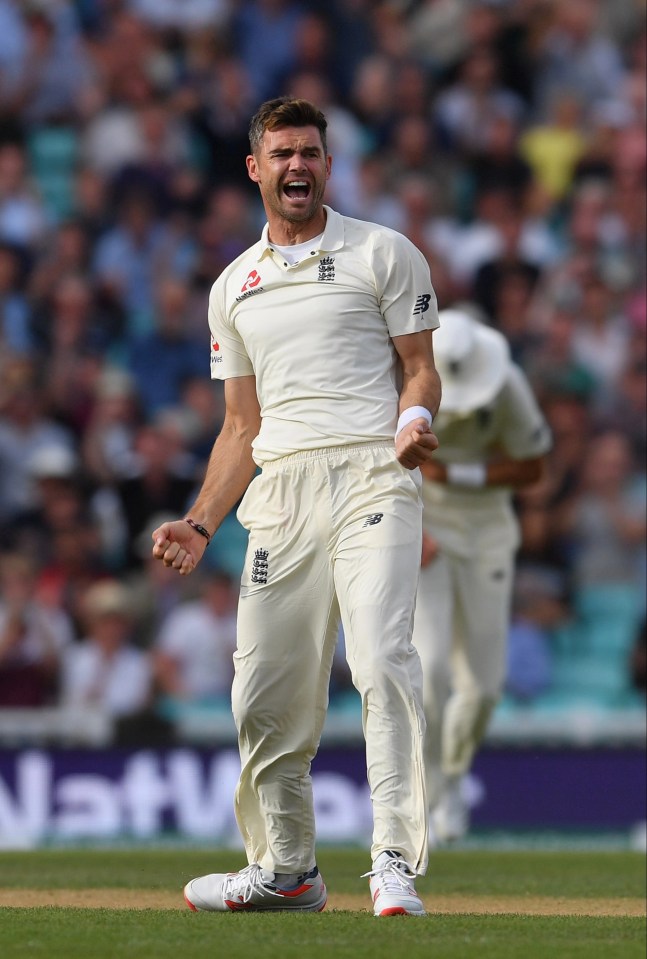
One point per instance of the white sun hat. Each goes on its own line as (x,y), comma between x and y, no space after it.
(472,360)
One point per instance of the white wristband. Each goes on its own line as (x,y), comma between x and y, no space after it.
(473,475)
(413,413)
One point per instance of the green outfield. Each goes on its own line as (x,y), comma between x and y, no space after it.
(119,904)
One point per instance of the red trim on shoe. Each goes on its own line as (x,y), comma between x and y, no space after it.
(237,906)
(395,911)
(290,893)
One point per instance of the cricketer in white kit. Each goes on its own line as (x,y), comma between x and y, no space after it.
(321,332)
(492,438)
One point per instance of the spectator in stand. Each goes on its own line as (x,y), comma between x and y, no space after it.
(626,411)
(135,256)
(499,163)
(105,670)
(224,229)
(15,313)
(109,435)
(181,15)
(193,651)
(49,82)
(162,360)
(265,34)
(372,98)
(73,333)
(25,428)
(499,224)
(373,193)
(22,214)
(604,520)
(67,253)
(215,95)
(554,147)
(538,606)
(551,364)
(464,111)
(63,530)
(574,55)
(133,67)
(33,637)
(509,259)
(205,401)
(601,336)
(604,526)
(160,480)
(161,148)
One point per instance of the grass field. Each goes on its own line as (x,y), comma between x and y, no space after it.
(94,904)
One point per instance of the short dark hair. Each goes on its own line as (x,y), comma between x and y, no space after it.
(285,112)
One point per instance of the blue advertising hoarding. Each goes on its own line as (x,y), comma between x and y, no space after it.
(67,795)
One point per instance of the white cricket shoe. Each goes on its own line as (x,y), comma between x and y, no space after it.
(391,882)
(450,818)
(254,889)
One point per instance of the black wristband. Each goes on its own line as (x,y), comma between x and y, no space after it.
(199,529)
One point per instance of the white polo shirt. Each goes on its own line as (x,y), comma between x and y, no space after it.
(317,334)
(466,521)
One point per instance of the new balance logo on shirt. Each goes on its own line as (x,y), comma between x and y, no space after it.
(422,304)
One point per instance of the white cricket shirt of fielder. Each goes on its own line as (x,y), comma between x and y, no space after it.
(317,335)
(464,520)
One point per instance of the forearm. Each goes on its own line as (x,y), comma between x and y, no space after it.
(229,473)
(11,635)
(420,387)
(513,474)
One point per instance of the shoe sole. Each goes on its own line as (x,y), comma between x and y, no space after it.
(316,907)
(399,911)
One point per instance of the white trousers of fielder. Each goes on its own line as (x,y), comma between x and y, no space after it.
(330,532)
(460,632)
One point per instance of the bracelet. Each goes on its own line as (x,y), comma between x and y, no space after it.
(471,475)
(413,413)
(199,529)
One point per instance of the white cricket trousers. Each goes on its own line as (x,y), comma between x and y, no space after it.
(331,531)
(460,632)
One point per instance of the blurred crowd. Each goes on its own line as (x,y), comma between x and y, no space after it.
(506,138)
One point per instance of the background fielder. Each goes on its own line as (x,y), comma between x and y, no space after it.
(492,437)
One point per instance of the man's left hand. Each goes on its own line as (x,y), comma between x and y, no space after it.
(415,444)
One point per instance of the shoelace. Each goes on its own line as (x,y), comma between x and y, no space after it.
(244,883)
(393,875)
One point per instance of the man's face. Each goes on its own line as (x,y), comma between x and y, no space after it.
(291,171)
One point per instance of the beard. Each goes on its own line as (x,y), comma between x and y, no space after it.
(277,203)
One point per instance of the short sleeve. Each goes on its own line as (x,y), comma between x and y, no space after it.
(228,356)
(403,280)
(525,432)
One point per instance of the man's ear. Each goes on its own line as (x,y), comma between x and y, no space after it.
(252,168)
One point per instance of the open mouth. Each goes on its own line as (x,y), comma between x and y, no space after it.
(297,189)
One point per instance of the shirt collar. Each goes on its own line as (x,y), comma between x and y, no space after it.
(333,238)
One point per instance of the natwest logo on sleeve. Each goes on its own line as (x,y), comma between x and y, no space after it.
(251,282)
(216,356)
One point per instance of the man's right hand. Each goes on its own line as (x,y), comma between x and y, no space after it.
(179,546)
(429,549)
